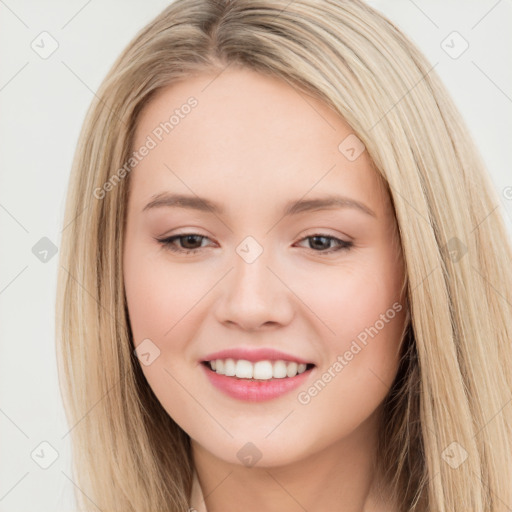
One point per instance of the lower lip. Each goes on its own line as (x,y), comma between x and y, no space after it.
(255,390)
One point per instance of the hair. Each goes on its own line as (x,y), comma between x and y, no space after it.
(455,376)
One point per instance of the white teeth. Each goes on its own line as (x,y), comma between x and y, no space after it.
(279,369)
(229,367)
(244,369)
(260,370)
(291,369)
(263,370)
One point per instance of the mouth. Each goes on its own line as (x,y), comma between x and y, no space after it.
(256,381)
(255,374)
(264,370)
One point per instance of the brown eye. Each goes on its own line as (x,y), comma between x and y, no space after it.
(186,241)
(320,242)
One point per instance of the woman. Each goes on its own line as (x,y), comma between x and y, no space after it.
(258,370)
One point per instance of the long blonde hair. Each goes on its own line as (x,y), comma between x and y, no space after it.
(446,439)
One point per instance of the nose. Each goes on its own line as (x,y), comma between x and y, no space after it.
(254,296)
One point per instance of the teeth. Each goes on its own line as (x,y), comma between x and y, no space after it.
(291,369)
(244,369)
(261,370)
(301,368)
(279,369)
(229,367)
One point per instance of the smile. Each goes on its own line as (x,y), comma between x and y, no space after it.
(259,370)
(256,381)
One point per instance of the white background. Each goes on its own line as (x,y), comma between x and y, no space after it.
(43,102)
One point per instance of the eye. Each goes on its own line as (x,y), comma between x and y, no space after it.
(190,238)
(318,241)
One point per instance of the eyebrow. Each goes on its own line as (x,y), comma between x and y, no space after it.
(165,199)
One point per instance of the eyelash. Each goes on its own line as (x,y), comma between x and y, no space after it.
(168,243)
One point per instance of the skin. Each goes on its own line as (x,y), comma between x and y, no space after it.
(253,143)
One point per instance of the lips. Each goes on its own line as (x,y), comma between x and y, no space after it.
(255,374)
(254,390)
(254,355)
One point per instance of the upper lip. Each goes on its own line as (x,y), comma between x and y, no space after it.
(254,354)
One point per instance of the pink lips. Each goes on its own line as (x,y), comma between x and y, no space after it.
(254,390)
(253,355)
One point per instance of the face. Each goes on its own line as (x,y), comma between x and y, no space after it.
(259,264)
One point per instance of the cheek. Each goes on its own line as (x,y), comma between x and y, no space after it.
(360,365)
(353,297)
(160,300)
(159,295)
(360,305)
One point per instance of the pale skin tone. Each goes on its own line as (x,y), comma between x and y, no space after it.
(252,144)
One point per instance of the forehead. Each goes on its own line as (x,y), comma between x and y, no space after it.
(240,103)
(249,134)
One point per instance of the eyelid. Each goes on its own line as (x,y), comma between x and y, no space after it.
(305,233)
(324,232)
